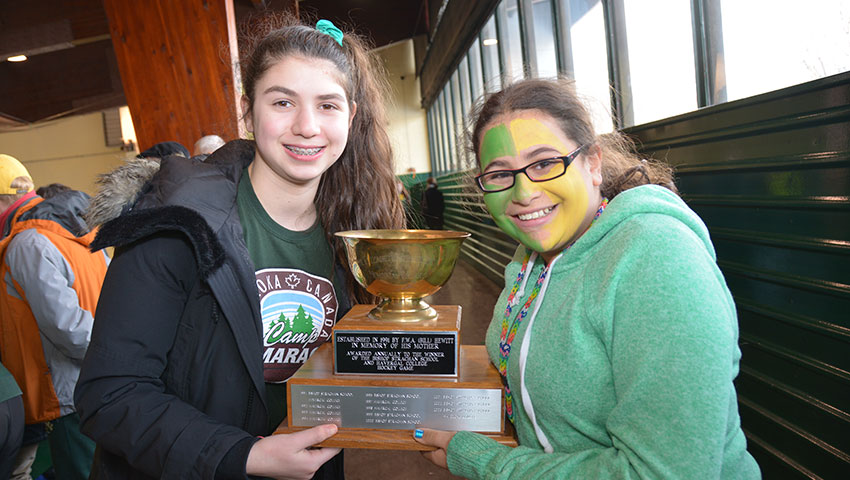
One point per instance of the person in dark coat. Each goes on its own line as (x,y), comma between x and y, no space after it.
(185,376)
(433,206)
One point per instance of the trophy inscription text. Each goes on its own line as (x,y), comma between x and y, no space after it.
(409,353)
(399,408)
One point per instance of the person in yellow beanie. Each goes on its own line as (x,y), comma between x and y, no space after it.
(16,188)
(14,177)
(15,183)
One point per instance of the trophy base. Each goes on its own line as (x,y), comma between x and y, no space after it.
(471,401)
(369,439)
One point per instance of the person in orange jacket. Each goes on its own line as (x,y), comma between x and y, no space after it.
(51,286)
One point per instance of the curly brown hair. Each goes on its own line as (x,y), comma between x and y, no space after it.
(358,191)
(622,169)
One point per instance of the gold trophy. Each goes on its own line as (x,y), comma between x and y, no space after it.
(398,365)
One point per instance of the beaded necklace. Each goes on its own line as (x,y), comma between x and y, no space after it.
(509,329)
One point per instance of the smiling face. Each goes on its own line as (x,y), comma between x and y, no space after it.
(544,216)
(300,119)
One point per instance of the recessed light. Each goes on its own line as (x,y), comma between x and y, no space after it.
(17,58)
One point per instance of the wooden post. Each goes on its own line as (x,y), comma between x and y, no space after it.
(178,64)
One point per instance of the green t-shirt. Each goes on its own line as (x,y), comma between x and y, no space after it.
(298,301)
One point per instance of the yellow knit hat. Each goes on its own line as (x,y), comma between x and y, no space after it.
(10,169)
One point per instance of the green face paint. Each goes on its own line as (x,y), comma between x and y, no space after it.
(497,142)
(544,216)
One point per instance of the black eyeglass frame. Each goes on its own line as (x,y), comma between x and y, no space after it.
(565,159)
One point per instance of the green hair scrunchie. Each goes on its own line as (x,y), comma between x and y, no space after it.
(328,28)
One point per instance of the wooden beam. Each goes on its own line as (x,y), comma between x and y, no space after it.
(177,64)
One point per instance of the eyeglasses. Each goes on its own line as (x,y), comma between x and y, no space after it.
(539,171)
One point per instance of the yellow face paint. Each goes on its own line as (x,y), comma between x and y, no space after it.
(544,216)
(529,132)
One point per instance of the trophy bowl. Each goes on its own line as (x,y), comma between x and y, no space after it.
(401,267)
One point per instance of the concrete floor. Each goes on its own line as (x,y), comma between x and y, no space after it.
(476,294)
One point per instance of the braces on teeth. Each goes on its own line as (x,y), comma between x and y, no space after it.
(304,151)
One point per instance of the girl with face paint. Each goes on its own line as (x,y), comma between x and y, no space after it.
(548,213)
(616,335)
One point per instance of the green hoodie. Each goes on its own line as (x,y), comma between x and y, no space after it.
(629,354)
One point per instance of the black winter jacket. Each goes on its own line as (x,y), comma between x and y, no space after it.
(172,384)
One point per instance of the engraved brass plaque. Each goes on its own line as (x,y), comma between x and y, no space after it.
(401,408)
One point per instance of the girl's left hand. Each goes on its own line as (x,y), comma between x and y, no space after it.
(435,438)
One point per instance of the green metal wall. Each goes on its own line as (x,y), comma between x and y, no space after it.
(488,249)
(770,176)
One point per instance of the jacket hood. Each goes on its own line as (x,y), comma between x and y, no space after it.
(146,196)
(61,214)
(66,209)
(120,188)
(129,185)
(643,200)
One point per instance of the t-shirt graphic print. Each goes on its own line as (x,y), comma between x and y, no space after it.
(298,311)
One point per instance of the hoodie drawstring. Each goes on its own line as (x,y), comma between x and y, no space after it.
(510,324)
(523,360)
(514,300)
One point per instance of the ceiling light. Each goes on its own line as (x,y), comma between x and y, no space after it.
(17,58)
(489,41)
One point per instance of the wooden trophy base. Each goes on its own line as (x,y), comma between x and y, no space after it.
(327,390)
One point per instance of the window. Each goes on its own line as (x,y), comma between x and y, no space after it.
(444,133)
(456,159)
(772,44)
(754,46)
(510,39)
(432,148)
(465,89)
(490,56)
(661,59)
(590,59)
(544,38)
(476,74)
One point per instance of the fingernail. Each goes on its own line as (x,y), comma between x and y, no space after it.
(418,433)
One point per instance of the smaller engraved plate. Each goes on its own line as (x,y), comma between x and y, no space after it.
(397,408)
(395,353)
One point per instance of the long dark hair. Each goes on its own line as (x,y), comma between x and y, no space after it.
(358,191)
(622,169)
